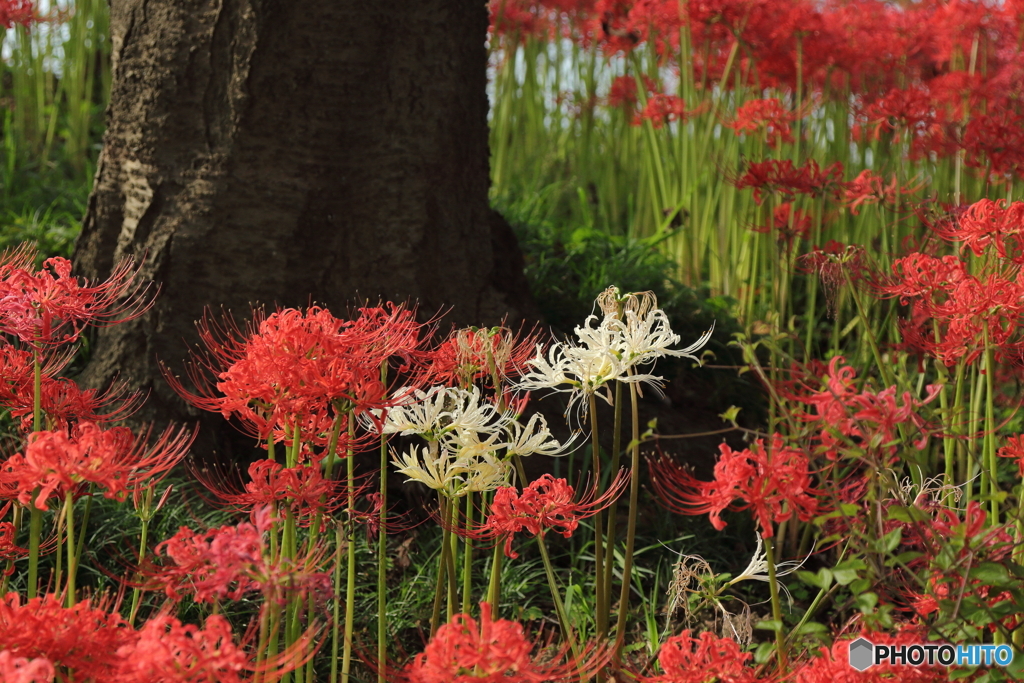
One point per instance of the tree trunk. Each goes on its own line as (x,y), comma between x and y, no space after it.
(288,153)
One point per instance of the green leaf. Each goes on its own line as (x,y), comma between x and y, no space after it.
(812,627)
(844,576)
(769,625)
(992,574)
(764,652)
(889,542)
(823,579)
(866,602)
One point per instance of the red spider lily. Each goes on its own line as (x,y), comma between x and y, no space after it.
(921,275)
(787,180)
(986,225)
(994,143)
(214,565)
(758,478)
(547,503)
(946,592)
(167,650)
(1014,448)
(966,308)
(903,111)
(93,643)
(46,309)
(229,562)
(113,459)
(16,12)
(833,263)
(993,543)
(301,489)
(846,409)
(871,188)
(469,354)
(623,92)
(489,650)
(9,550)
(84,639)
(62,401)
(860,416)
(788,224)
(661,109)
(293,369)
(768,115)
(833,664)
(685,659)
(23,670)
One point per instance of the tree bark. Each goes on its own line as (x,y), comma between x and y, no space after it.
(289,153)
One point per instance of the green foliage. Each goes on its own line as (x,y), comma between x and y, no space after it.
(568,265)
(53,92)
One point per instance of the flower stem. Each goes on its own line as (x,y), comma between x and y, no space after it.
(336,614)
(609,559)
(600,590)
(35,530)
(69,509)
(467,557)
(494,586)
(382,549)
(773,586)
(634,495)
(556,595)
(350,584)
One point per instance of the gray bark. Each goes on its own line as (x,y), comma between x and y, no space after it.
(288,153)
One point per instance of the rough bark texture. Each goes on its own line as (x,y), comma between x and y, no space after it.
(288,152)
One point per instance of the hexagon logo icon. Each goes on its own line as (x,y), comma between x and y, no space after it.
(862,654)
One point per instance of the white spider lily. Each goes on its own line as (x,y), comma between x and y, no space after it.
(432,466)
(417,412)
(608,350)
(440,411)
(757,569)
(467,413)
(467,444)
(535,438)
(444,471)
(579,370)
(644,340)
(485,473)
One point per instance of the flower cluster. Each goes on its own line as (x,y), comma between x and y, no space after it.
(468,439)
(773,482)
(489,650)
(92,643)
(608,349)
(688,659)
(547,503)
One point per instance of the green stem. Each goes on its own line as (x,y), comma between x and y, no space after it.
(336,613)
(442,567)
(467,557)
(382,549)
(634,495)
(350,585)
(773,585)
(609,559)
(990,431)
(69,512)
(556,595)
(600,589)
(494,585)
(35,530)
